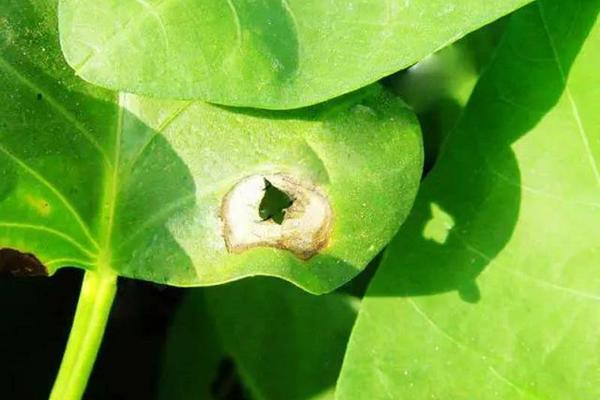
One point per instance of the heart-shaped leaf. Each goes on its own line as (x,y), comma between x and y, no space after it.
(172,192)
(267,53)
(491,289)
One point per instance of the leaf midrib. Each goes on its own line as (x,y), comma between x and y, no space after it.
(147,14)
(486,359)
(110,192)
(100,253)
(99,248)
(72,120)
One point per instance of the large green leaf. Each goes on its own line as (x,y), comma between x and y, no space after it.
(151,189)
(286,344)
(438,87)
(267,53)
(491,289)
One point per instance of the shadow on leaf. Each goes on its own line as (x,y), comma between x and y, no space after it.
(468,206)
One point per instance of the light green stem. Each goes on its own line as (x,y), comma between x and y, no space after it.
(95,300)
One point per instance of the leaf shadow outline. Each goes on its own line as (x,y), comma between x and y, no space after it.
(476,186)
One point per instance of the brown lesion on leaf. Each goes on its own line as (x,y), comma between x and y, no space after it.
(17,264)
(304,226)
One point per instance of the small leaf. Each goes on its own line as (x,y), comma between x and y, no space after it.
(98,179)
(269,53)
(491,289)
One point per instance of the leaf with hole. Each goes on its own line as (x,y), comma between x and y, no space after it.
(273,54)
(171,192)
(490,290)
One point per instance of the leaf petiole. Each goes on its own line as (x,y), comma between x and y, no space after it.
(95,300)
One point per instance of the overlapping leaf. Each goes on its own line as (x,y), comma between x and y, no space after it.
(98,179)
(269,53)
(491,290)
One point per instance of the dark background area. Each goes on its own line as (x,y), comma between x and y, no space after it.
(35,323)
(36,318)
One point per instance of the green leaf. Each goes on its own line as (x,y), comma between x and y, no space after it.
(170,191)
(438,87)
(268,53)
(192,354)
(491,289)
(286,344)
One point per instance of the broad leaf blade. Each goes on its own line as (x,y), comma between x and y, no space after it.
(491,289)
(268,54)
(98,179)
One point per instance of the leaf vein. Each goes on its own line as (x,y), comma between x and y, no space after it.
(573,104)
(158,215)
(113,181)
(522,275)
(58,107)
(79,67)
(161,128)
(152,10)
(74,213)
(62,235)
(480,356)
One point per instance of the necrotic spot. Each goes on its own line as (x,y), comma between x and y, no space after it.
(279,211)
(17,264)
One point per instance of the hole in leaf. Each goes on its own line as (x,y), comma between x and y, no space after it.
(17,264)
(274,203)
(299,212)
(39,96)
